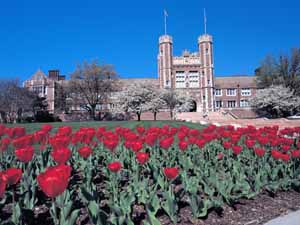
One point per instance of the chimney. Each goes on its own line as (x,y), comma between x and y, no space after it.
(53,74)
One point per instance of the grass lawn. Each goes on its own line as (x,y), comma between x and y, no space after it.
(31,127)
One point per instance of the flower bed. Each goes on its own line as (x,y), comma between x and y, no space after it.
(129,176)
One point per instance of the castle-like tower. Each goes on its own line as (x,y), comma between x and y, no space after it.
(165,62)
(192,73)
(205,45)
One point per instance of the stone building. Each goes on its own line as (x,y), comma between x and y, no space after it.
(191,73)
(45,85)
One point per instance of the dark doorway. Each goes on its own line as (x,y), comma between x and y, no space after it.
(194,106)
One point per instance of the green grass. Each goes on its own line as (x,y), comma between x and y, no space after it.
(31,127)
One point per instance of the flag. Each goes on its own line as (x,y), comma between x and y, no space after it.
(165,13)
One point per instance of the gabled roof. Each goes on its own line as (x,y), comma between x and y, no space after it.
(39,75)
(233,81)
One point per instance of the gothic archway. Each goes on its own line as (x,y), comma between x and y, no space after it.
(194,106)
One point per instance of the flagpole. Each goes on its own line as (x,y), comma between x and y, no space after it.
(165,14)
(204,21)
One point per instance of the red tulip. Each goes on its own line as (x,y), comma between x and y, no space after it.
(61,155)
(171,172)
(114,167)
(136,146)
(276,154)
(3,183)
(295,153)
(285,147)
(60,141)
(4,144)
(183,145)
(150,139)
(263,140)
(65,130)
(249,143)
(226,144)
(23,142)
(85,152)
(54,180)
(235,138)
(237,149)
(142,157)
(110,144)
(140,130)
(166,143)
(181,135)
(25,154)
(200,143)
(13,175)
(193,140)
(274,142)
(259,152)
(41,136)
(285,157)
(47,127)
(194,132)
(220,156)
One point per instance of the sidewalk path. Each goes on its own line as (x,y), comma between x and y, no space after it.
(292,218)
(219,119)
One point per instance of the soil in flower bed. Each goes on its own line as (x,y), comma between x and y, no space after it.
(258,211)
(246,212)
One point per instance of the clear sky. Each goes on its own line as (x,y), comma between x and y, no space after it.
(51,34)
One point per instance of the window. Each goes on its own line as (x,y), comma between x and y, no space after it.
(245,91)
(38,89)
(244,103)
(179,79)
(231,92)
(206,51)
(231,104)
(193,79)
(208,82)
(218,104)
(218,92)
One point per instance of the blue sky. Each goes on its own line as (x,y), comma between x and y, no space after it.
(62,33)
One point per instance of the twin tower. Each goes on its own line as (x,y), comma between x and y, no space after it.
(192,73)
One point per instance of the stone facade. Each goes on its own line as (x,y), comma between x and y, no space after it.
(191,73)
(45,85)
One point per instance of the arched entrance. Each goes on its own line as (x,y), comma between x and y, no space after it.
(194,106)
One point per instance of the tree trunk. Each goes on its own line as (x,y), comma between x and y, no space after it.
(171,114)
(154,114)
(92,112)
(139,116)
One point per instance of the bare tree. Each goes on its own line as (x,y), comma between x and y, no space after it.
(92,84)
(282,71)
(14,100)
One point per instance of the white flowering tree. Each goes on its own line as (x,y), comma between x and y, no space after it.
(176,101)
(276,101)
(135,99)
(156,103)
